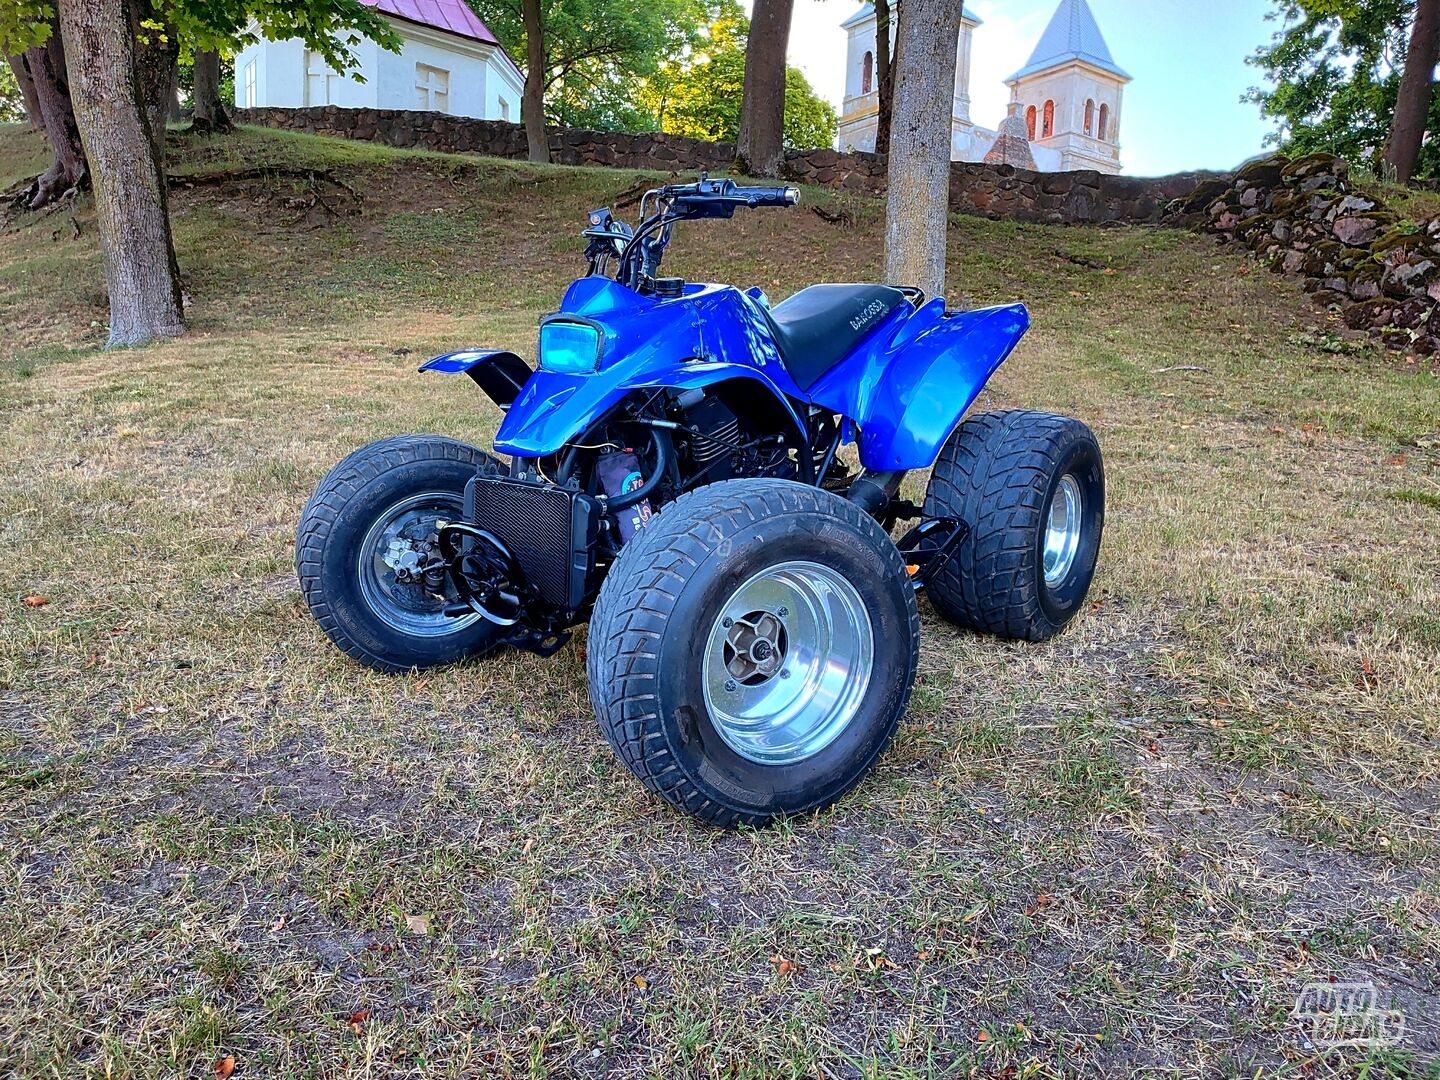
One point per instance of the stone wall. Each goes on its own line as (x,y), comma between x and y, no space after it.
(995,191)
(1352,253)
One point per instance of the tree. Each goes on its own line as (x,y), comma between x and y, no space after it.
(1417,86)
(532,107)
(103,72)
(210,114)
(700,95)
(127,171)
(593,56)
(42,61)
(17,94)
(918,199)
(1335,79)
(29,28)
(884,74)
(759,145)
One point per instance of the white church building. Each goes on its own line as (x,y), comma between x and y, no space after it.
(449,62)
(1068,94)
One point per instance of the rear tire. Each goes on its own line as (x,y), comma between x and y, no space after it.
(381,499)
(752,650)
(1016,479)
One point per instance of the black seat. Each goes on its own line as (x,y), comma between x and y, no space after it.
(818,327)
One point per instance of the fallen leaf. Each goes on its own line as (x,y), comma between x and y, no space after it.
(529,846)
(783,966)
(418,924)
(278,925)
(984,1036)
(35,601)
(1397,459)
(357,1020)
(642,982)
(1368,680)
(225,1066)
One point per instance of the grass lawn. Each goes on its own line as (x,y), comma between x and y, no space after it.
(1126,851)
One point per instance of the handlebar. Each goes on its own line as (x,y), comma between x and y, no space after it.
(641,250)
(719,198)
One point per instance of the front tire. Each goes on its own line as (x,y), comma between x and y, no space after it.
(370,514)
(1031,488)
(752,650)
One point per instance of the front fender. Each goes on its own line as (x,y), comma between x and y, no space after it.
(501,374)
(556,409)
(909,393)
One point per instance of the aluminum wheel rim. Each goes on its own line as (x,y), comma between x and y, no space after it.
(410,608)
(787,662)
(1062,530)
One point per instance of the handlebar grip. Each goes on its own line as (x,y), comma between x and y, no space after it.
(768,196)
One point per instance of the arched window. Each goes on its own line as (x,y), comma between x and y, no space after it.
(867,73)
(1030,121)
(1049,128)
(1104,121)
(1089,117)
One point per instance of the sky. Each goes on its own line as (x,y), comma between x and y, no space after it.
(1183,111)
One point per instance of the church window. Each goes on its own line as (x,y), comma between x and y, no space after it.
(1030,122)
(1089,117)
(867,73)
(1049,128)
(1104,121)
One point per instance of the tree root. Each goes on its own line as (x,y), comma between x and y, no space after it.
(314,177)
(315,181)
(631,195)
(199,126)
(24,197)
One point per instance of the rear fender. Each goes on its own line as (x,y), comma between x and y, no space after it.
(909,390)
(502,375)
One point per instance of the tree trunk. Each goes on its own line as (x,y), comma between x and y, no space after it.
(27,91)
(532,104)
(760,145)
(1412,107)
(130,198)
(884,75)
(210,115)
(157,65)
(918,199)
(49,77)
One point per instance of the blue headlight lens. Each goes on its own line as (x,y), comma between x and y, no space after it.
(569,348)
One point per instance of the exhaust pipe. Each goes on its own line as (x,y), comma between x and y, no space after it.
(872,491)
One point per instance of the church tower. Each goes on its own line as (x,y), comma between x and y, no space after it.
(1069,93)
(860,112)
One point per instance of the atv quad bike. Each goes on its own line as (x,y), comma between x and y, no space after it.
(674,479)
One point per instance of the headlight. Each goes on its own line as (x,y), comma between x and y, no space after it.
(570,348)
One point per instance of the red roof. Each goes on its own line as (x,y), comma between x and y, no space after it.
(452,15)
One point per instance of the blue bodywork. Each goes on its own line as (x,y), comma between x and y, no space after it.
(904,387)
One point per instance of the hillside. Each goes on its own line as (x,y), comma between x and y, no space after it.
(1129,849)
